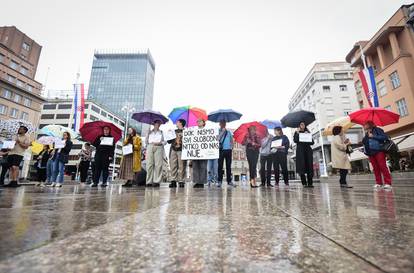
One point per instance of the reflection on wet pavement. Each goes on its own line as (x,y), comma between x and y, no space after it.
(325,229)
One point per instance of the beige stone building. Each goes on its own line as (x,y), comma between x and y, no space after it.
(19,92)
(391,53)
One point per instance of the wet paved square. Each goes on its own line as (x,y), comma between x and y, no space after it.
(325,229)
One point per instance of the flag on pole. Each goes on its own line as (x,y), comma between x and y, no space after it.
(78,106)
(367,78)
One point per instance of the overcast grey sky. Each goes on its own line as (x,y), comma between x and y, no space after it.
(249,55)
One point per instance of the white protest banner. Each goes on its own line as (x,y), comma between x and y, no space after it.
(127,149)
(200,144)
(8,144)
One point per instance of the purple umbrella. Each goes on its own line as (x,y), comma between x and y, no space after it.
(149,117)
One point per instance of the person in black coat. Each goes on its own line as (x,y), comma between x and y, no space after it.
(60,158)
(41,162)
(304,156)
(103,157)
(279,156)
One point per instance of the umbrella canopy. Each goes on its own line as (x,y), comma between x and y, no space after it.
(241,132)
(46,140)
(91,130)
(36,147)
(344,122)
(189,114)
(227,115)
(57,131)
(272,124)
(11,126)
(149,117)
(379,116)
(293,119)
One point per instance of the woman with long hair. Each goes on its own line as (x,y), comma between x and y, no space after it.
(131,163)
(253,145)
(304,156)
(41,162)
(103,157)
(85,161)
(60,159)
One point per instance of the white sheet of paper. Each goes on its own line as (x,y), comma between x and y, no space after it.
(8,144)
(59,143)
(305,137)
(127,149)
(276,143)
(169,135)
(109,141)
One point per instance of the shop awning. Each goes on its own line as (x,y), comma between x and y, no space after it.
(407,144)
(357,155)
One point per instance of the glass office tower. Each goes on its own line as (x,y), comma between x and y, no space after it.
(123,79)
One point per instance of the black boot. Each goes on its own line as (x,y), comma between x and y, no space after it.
(127,184)
(173,184)
(269,185)
(182,184)
(12,184)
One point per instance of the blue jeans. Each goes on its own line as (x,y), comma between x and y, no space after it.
(49,170)
(212,170)
(58,171)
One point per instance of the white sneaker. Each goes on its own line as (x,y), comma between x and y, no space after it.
(58,185)
(377,186)
(387,187)
(42,185)
(51,185)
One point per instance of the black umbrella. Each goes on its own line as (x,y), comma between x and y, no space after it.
(293,119)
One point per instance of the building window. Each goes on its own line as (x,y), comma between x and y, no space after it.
(395,80)
(49,106)
(86,106)
(26,46)
(347,112)
(324,76)
(1,58)
(382,88)
(27,102)
(388,107)
(93,118)
(326,88)
(14,65)
(11,78)
(29,88)
(17,98)
(47,116)
(340,75)
(96,109)
(14,112)
(24,116)
(24,70)
(3,109)
(20,83)
(343,87)
(65,106)
(328,100)
(402,107)
(103,114)
(85,116)
(62,116)
(7,94)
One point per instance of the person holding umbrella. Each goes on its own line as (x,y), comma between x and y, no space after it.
(372,141)
(155,155)
(280,147)
(105,148)
(131,163)
(177,165)
(304,154)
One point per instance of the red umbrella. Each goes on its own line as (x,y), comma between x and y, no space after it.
(243,130)
(379,116)
(91,130)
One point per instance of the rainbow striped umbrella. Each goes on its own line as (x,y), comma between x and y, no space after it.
(189,114)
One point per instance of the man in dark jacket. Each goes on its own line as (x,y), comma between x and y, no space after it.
(103,157)
(280,147)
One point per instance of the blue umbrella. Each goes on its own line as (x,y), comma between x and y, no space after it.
(149,117)
(272,124)
(227,115)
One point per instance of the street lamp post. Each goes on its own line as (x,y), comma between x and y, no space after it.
(321,139)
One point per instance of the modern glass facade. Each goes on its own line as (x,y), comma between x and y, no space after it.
(123,78)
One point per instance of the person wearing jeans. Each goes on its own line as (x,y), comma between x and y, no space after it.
(60,158)
(225,154)
(373,139)
(212,168)
(340,159)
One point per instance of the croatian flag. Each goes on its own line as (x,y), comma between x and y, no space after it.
(368,84)
(78,106)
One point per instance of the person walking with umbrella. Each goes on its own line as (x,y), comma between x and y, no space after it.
(131,162)
(177,165)
(105,148)
(304,154)
(372,141)
(155,155)
(280,147)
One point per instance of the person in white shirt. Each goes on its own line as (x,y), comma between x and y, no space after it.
(155,155)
